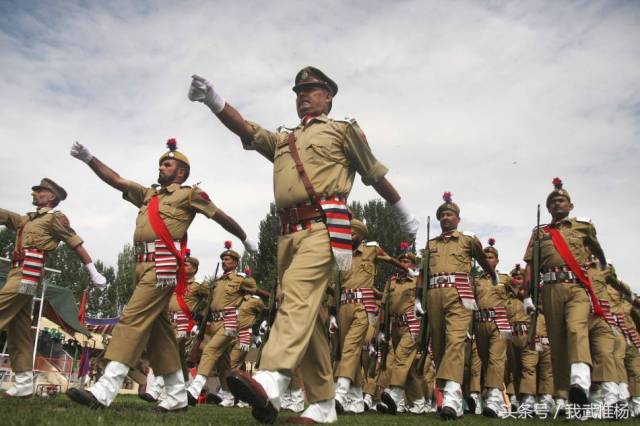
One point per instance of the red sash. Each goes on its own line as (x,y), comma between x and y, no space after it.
(563,250)
(164,235)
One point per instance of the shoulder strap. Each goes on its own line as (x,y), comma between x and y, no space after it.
(313,195)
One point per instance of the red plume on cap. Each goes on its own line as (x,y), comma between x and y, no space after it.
(172,144)
(227,244)
(492,241)
(404,246)
(248,271)
(517,266)
(188,253)
(446,197)
(557,183)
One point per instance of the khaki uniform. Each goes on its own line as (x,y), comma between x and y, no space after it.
(353,320)
(227,292)
(144,322)
(492,347)
(566,304)
(249,310)
(545,369)
(522,360)
(194,303)
(602,339)
(620,346)
(449,320)
(402,291)
(632,356)
(42,230)
(331,151)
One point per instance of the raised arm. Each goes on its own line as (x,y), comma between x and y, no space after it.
(80,152)
(231,226)
(202,90)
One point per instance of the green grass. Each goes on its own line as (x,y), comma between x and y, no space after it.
(129,410)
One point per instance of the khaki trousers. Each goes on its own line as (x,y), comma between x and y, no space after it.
(403,373)
(632,365)
(619,352)
(368,365)
(525,370)
(545,372)
(237,357)
(298,337)
(449,322)
(429,378)
(15,318)
(492,350)
(144,323)
(216,347)
(475,369)
(353,325)
(602,342)
(567,309)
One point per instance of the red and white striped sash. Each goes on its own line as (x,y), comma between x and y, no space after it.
(364,296)
(629,333)
(502,322)
(459,280)
(32,268)
(166,266)
(338,221)
(608,316)
(244,339)
(230,321)
(181,324)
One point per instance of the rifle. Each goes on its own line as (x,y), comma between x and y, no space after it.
(471,332)
(424,336)
(384,350)
(271,317)
(338,292)
(535,282)
(194,355)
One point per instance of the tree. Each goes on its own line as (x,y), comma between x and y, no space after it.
(266,266)
(7,241)
(118,293)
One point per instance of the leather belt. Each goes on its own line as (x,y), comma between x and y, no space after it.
(217,315)
(447,279)
(295,215)
(351,296)
(520,328)
(485,315)
(145,251)
(559,275)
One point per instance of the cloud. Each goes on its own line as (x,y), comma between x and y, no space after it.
(488,100)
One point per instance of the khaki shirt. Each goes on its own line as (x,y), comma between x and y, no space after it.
(541,326)
(43,229)
(580,236)
(191,297)
(403,294)
(598,280)
(488,295)
(331,152)
(515,307)
(615,300)
(178,206)
(363,266)
(249,310)
(227,290)
(454,254)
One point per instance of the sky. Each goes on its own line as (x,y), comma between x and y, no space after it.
(489,100)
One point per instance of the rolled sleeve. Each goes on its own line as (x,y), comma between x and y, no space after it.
(134,193)
(10,219)
(63,231)
(201,203)
(359,153)
(263,141)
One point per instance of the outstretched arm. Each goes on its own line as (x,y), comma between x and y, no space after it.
(231,226)
(201,90)
(96,277)
(105,173)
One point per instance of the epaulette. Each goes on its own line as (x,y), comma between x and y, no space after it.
(349,120)
(372,244)
(241,274)
(469,233)
(283,128)
(583,219)
(155,186)
(55,211)
(255,296)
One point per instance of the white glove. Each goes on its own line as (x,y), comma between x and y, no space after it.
(528,305)
(333,325)
(418,308)
(81,152)
(264,326)
(96,277)
(408,222)
(413,273)
(250,245)
(381,339)
(201,90)
(258,341)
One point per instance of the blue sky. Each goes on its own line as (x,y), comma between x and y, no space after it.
(489,100)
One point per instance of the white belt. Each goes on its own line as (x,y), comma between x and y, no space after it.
(558,276)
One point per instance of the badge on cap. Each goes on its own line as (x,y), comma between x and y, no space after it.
(304,75)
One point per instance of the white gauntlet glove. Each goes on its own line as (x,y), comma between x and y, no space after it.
(264,326)
(408,222)
(201,90)
(413,273)
(81,153)
(333,325)
(381,338)
(250,245)
(528,305)
(418,308)
(96,277)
